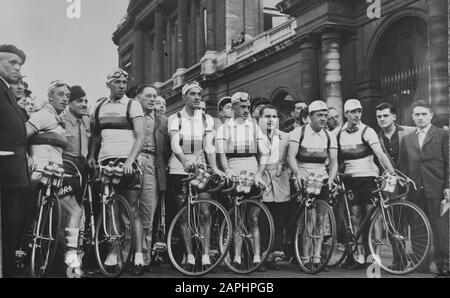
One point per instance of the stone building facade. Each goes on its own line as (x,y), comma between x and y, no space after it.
(324,49)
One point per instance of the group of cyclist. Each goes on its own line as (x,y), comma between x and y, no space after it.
(167,150)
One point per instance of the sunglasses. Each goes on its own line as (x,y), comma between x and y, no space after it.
(57,84)
(118,74)
(241,96)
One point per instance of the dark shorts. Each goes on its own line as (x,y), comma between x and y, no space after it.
(127,182)
(74,186)
(361,188)
(178,191)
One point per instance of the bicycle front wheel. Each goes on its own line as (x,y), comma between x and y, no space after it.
(253,234)
(315,237)
(341,245)
(114,236)
(400,240)
(198,234)
(46,235)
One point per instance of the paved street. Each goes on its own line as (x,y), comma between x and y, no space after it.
(287,271)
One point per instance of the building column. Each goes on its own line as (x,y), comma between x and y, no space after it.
(211,25)
(199,37)
(138,62)
(209,60)
(158,55)
(331,81)
(438,47)
(308,64)
(192,32)
(178,76)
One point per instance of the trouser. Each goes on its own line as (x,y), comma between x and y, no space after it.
(148,202)
(278,210)
(14,203)
(439,226)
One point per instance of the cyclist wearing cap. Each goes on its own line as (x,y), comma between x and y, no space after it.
(191,133)
(239,141)
(309,148)
(48,141)
(225,111)
(357,146)
(119,132)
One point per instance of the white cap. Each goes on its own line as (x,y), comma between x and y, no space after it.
(317,105)
(352,104)
(240,96)
(189,86)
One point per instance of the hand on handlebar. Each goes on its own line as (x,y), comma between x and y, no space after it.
(128,168)
(189,166)
(259,181)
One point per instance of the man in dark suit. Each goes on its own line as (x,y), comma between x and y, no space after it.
(14,178)
(391,134)
(424,158)
(154,159)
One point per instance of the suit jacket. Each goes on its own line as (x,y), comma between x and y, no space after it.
(14,168)
(402,132)
(428,167)
(163,150)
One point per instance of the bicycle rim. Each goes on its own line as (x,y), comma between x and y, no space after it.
(197,235)
(114,237)
(402,243)
(315,237)
(340,247)
(243,236)
(46,235)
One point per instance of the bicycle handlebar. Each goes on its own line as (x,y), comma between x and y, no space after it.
(231,189)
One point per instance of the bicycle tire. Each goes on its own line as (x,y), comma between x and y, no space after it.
(247,265)
(46,236)
(340,248)
(123,225)
(218,249)
(327,231)
(86,240)
(404,237)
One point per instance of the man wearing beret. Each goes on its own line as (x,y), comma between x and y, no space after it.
(77,127)
(14,178)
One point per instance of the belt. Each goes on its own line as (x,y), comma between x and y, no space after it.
(146,152)
(240,155)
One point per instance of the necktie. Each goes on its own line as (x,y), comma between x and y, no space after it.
(80,138)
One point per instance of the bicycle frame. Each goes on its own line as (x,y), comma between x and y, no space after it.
(379,203)
(89,200)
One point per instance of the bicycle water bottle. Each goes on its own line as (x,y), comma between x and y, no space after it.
(109,172)
(58,176)
(47,174)
(118,174)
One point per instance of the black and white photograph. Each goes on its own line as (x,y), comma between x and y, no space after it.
(224,144)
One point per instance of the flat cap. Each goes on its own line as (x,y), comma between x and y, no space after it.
(76,92)
(9,48)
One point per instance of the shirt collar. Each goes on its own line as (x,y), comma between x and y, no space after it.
(425,130)
(123,100)
(310,132)
(247,122)
(7,85)
(68,115)
(49,107)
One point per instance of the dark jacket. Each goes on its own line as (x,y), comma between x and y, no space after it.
(402,132)
(428,167)
(14,168)
(163,150)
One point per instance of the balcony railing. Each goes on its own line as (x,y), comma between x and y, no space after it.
(257,44)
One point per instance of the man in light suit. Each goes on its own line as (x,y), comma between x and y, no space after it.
(424,158)
(391,134)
